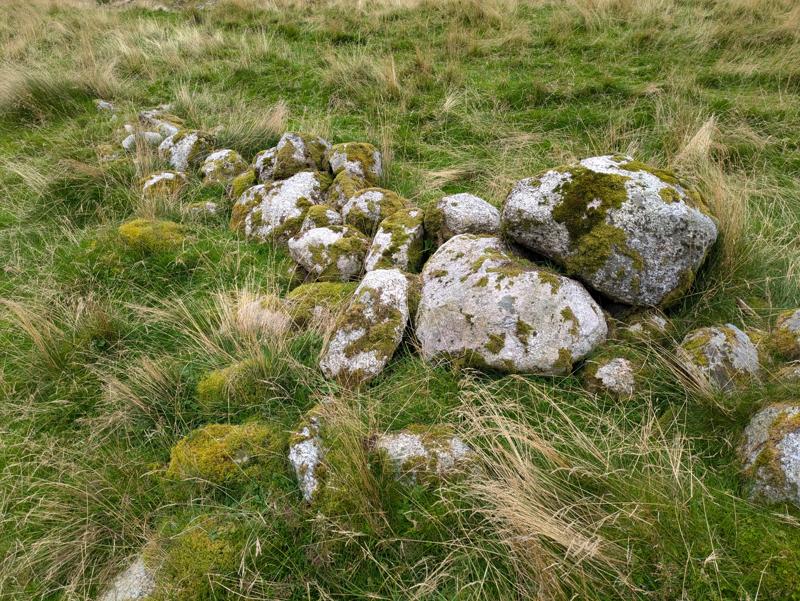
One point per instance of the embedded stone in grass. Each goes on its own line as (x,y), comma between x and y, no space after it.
(370,206)
(785,338)
(615,376)
(398,242)
(306,453)
(185,149)
(771,454)
(482,305)
(104,105)
(320,216)
(264,164)
(335,252)
(222,166)
(200,210)
(136,583)
(358,159)
(152,236)
(723,356)
(297,152)
(317,302)
(161,119)
(146,138)
(343,188)
(367,334)
(646,326)
(461,214)
(632,232)
(226,455)
(424,456)
(164,184)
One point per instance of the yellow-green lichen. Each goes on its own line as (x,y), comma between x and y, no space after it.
(361,153)
(367,217)
(241,183)
(152,236)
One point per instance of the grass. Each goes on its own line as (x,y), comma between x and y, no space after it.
(579,497)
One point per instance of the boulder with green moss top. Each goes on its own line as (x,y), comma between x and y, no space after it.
(632,232)
(185,149)
(771,454)
(483,305)
(785,337)
(370,206)
(358,159)
(723,356)
(398,242)
(164,184)
(320,216)
(276,211)
(460,214)
(226,455)
(647,326)
(136,583)
(297,152)
(343,188)
(423,455)
(335,252)
(264,164)
(306,455)
(239,184)
(152,236)
(317,302)
(221,166)
(613,376)
(141,138)
(369,331)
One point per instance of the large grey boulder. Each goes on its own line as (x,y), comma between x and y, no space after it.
(334,252)
(632,232)
(723,356)
(424,455)
(771,454)
(461,214)
(369,331)
(136,583)
(492,309)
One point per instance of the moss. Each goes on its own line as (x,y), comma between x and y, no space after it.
(401,227)
(524,331)
(549,277)
(586,198)
(241,183)
(564,362)
(152,236)
(352,244)
(308,299)
(165,186)
(366,218)
(310,147)
(696,345)
(318,216)
(569,315)
(782,340)
(691,196)
(495,343)
(665,175)
(362,153)
(344,187)
(767,466)
(434,222)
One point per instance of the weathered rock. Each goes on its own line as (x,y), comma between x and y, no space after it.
(771,454)
(166,183)
(724,356)
(358,159)
(615,376)
(104,105)
(318,302)
(398,242)
(201,209)
(136,583)
(161,119)
(264,164)
(320,216)
(790,373)
(367,334)
(370,206)
(461,214)
(343,188)
(306,454)
(635,233)
(335,252)
(297,152)
(241,183)
(481,304)
(277,210)
(185,149)
(785,338)
(425,456)
(222,166)
(145,138)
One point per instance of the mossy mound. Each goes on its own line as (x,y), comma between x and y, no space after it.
(239,184)
(164,184)
(317,302)
(358,159)
(785,337)
(297,152)
(370,206)
(152,236)
(398,242)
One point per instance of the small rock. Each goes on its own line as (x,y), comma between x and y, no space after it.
(369,207)
(320,216)
(790,373)
(147,138)
(613,376)
(648,326)
(185,149)
(724,356)
(222,166)
(306,453)
(297,152)
(201,209)
(161,119)
(136,583)
(335,252)
(461,214)
(343,188)
(264,164)
(424,457)
(785,338)
(398,242)
(164,184)
(104,105)
(358,159)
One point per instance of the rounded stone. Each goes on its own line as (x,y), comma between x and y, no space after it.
(320,216)
(398,242)
(358,159)
(723,356)
(615,376)
(334,252)
(136,583)
(344,187)
(461,214)
(146,138)
(185,149)
(370,206)
(296,152)
(222,166)
(417,455)
(166,183)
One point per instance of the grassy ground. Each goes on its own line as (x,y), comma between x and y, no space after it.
(580,497)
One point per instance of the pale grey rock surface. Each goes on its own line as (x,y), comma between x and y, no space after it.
(465,214)
(264,164)
(184,149)
(359,159)
(333,252)
(222,166)
(164,183)
(398,242)
(367,208)
(147,138)
(724,356)
(786,336)
(616,377)
(420,456)
(306,454)
(134,584)
(296,152)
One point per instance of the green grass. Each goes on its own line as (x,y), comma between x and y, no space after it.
(103,346)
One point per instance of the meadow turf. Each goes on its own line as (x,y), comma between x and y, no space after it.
(579,496)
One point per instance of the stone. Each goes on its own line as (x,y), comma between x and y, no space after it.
(277,210)
(785,337)
(136,583)
(320,216)
(398,242)
(343,188)
(296,152)
(369,331)
(723,356)
(357,159)
(615,376)
(104,105)
(161,119)
(632,232)
(145,138)
(334,252)
(421,456)
(648,326)
(771,454)
(185,149)
(790,373)
(370,206)
(202,209)
(264,164)
(461,214)
(221,166)
(164,184)
(306,454)
(482,305)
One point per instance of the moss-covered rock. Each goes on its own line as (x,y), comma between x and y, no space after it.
(320,216)
(241,183)
(460,214)
(307,454)
(358,159)
(370,206)
(297,152)
(343,188)
(221,166)
(398,242)
(152,236)
(264,165)
(185,149)
(317,302)
(144,139)
(335,252)
(613,373)
(722,356)
(785,337)
(632,232)
(161,119)
(166,184)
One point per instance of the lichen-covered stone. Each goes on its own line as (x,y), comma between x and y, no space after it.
(241,183)
(484,306)
(297,152)
(161,119)
(367,334)
(461,214)
(136,583)
(104,105)
(320,216)
(343,188)
(424,456)
(335,252)
(398,242)
(185,149)
(264,164)
(318,302)
(785,337)
(370,206)
(306,454)
(164,184)
(145,138)
(723,356)
(276,211)
(221,166)
(152,236)
(615,376)
(358,159)
(771,454)
(632,232)
(646,327)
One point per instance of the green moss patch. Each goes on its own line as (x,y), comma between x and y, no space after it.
(152,236)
